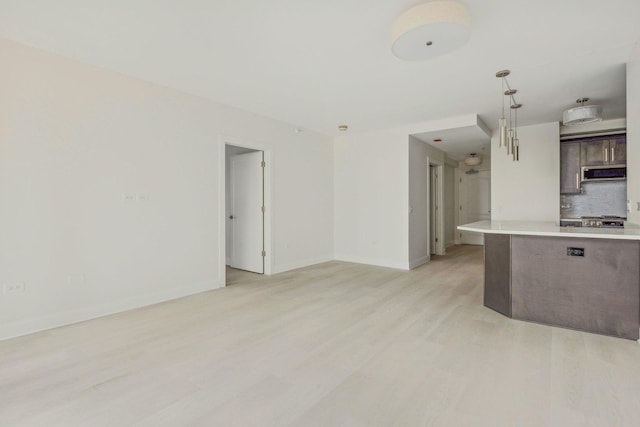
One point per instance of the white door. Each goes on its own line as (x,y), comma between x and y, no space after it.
(477,204)
(247,196)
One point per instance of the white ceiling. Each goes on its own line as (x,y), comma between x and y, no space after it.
(459,141)
(317,64)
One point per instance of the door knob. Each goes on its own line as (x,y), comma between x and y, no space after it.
(230,216)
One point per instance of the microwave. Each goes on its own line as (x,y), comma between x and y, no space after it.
(604,173)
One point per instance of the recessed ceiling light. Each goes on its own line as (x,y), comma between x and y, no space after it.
(343,128)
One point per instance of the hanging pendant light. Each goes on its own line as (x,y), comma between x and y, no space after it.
(503,120)
(503,132)
(516,141)
(508,131)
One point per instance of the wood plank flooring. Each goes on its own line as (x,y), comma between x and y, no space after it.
(337,344)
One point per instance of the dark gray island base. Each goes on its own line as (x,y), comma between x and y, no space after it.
(580,278)
(588,284)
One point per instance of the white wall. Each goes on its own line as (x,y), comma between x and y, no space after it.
(372,192)
(75,138)
(371,198)
(419,231)
(462,191)
(633,136)
(528,189)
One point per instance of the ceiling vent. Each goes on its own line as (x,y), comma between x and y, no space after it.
(582,114)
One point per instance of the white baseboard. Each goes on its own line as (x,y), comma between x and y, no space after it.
(299,264)
(374,261)
(55,320)
(420,261)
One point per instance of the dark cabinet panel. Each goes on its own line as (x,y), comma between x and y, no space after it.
(595,153)
(570,167)
(586,284)
(601,151)
(618,151)
(497,272)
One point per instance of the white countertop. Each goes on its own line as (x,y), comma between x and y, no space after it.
(549,228)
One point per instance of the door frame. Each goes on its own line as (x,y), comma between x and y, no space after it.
(245,259)
(439,248)
(223,141)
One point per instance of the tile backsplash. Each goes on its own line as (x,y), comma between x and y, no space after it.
(598,198)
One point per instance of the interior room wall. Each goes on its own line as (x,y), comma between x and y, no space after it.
(371,190)
(527,190)
(633,136)
(109,187)
(463,189)
(371,198)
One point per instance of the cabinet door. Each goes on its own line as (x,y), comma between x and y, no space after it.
(570,167)
(618,151)
(595,153)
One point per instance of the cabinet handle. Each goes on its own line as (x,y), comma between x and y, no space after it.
(606,154)
(613,152)
(577,180)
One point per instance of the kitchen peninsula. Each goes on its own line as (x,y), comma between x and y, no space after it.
(580,278)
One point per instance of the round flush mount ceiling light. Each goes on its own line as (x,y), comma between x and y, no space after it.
(581,115)
(430,30)
(343,128)
(473,159)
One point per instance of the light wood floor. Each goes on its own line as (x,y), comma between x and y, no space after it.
(336,344)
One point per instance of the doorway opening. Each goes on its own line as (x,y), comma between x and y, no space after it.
(475,202)
(244,195)
(244,209)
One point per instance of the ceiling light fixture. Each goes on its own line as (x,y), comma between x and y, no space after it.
(473,159)
(343,128)
(430,29)
(581,114)
(508,132)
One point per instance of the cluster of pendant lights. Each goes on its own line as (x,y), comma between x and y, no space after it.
(509,128)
